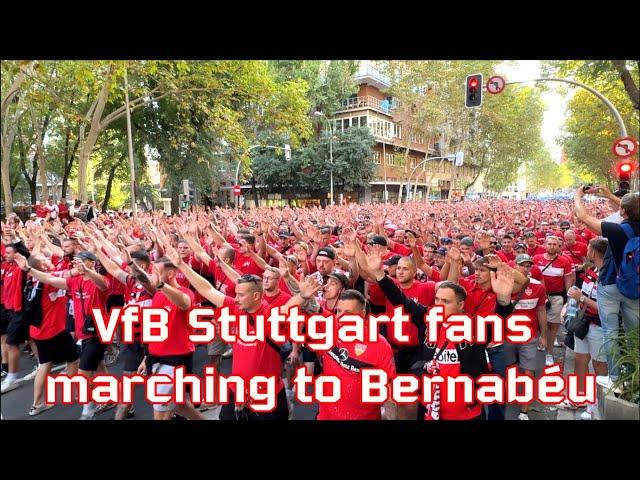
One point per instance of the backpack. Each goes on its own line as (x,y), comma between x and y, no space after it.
(628,276)
(31,302)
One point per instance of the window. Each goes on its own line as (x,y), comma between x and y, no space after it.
(363,121)
(338,127)
(389,159)
(376,157)
(345,123)
(397,130)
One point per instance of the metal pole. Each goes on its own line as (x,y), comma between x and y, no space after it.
(614,111)
(134,208)
(414,170)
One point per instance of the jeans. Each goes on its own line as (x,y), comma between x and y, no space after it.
(496,357)
(610,304)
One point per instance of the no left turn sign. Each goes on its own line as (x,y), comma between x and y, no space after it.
(625,147)
(496,84)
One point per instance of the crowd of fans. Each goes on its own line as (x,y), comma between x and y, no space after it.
(472,257)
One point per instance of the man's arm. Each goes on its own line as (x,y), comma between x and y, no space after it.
(542,323)
(569,281)
(177,297)
(581,213)
(114,269)
(56,282)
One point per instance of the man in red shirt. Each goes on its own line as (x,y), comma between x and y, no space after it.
(54,343)
(533,247)
(530,301)
(88,291)
(177,350)
(575,251)
(583,233)
(249,360)
(506,253)
(14,330)
(345,361)
(558,277)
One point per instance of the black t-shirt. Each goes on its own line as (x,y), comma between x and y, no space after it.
(617,241)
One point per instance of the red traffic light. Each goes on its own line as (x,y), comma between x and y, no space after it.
(473,82)
(625,170)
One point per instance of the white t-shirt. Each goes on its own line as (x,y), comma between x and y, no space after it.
(53,210)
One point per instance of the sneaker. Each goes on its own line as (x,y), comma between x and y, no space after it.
(87,416)
(30,376)
(548,360)
(103,407)
(7,385)
(607,383)
(523,416)
(38,409)
(3,374)
(228,353)
(567,404)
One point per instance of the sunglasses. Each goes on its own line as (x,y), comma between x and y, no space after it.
(494,243)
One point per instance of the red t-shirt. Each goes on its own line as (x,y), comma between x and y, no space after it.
(479,301)
(579,250)
(222,283)
(177,342)
(135,294)
(246,265)
(11,295)
(584,234)
(350,407)
(554,275)
(85,292)
(277,300)
(257,358)
(422,293)
(534,296)
(449,366)
(506,257)
(54,313)
(537,250)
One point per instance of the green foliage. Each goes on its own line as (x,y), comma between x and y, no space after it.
(628,360)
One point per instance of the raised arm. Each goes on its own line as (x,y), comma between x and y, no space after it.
(56,282)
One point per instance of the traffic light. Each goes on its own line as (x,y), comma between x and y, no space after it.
(473,90)
(624,170)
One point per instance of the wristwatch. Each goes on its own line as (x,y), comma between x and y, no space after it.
(159,286)
(582,298)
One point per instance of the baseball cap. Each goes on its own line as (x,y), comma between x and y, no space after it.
(341,277)
(529,234)
(87,256)
(520,245)
(283,235)
(326,252)
(378,240)
(441,251)
(392,261)
(523,258)
(446,240)
(467,241)
(565,223)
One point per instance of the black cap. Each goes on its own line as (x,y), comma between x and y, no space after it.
(520,245)
(446,240)
(326,252)
(88,256)
(378,240)
(441,251)
(468,241)
(392,261)
(341,277)
(415,234)
(565,223)
(283,235)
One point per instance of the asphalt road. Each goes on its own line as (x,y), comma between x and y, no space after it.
(16,403)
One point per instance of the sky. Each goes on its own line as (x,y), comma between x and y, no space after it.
(555,103)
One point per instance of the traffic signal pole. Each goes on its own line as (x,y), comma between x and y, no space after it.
(614,111)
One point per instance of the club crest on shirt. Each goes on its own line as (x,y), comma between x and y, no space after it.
(360,349)
(528,291)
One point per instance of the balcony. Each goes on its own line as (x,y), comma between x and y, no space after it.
(383,106)
(371,76)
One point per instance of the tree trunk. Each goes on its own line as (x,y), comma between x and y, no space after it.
(15,88)
(629,85)
(7,142)
(31,180)
(89,141)
(40,130)
(107,192)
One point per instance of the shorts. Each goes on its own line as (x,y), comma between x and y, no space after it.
(91,354)
(592,344)
(133,354)
(217,346)
(4,320)
(525,353)
(17,328)
(553,314)
(404,358)
(167,388)
(60,348)
(280,413)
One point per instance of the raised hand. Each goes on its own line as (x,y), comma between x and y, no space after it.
(494,261)
(309,287)
(454,254)
(502,282)
(173,255)
(411,239)
(21,261)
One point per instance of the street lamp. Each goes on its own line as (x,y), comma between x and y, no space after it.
(322,115)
